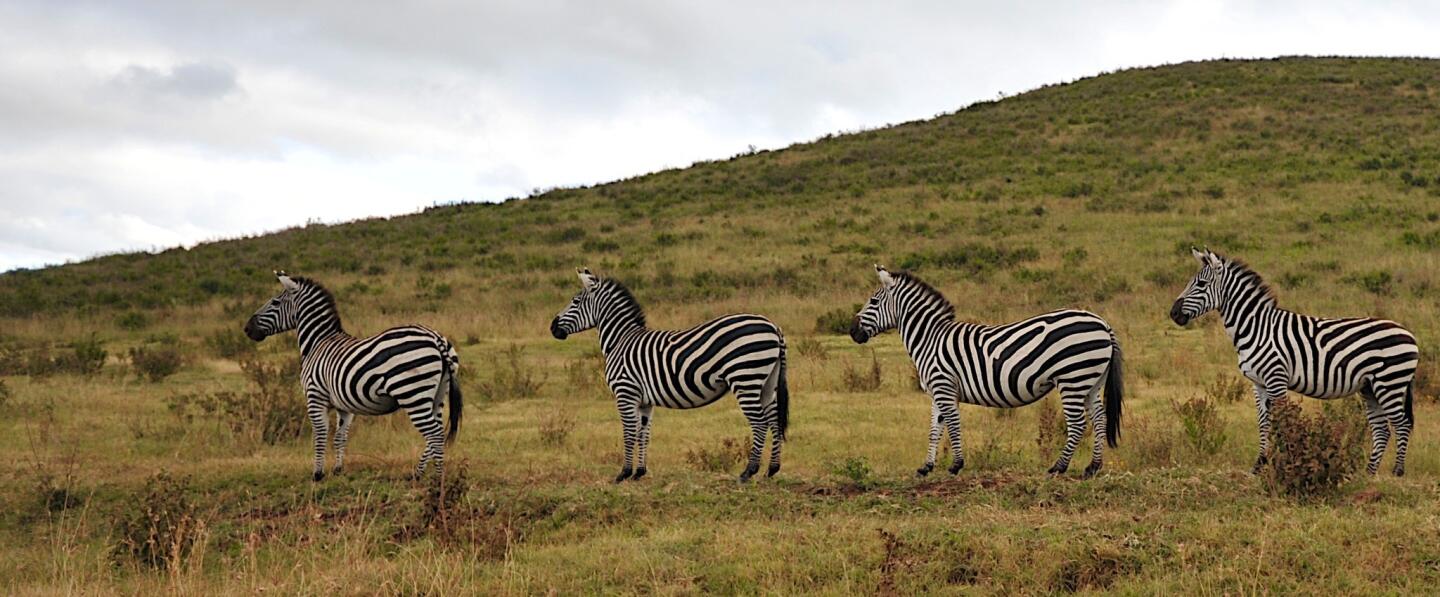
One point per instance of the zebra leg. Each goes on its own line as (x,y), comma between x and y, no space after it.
(1073,405)
(1379,430)
(319,413)
(1262,417)
(949,414)
(934,440)
(1097,429)
(772,423)
(644,440)
(750,399)
(1402,421)
(630,422)
(342,437)
(426,420)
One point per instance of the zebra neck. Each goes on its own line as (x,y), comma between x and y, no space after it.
(316,327)
(916,328)
(612,331)
(1242,318)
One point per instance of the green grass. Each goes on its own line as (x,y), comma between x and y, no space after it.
(1086,194)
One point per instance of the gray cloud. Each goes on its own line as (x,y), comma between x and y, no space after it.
(132,124)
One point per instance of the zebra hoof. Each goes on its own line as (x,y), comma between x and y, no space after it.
(924,471)
(1399,471)
(1058,469)
(1259,464)
(774,468)
(1091,470)
(318,476)
(624,474)
(639,472)
(338,471)
(957,465)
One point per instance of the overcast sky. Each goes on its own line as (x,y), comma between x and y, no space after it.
(144,125)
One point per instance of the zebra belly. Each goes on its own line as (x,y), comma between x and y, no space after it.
(372,406)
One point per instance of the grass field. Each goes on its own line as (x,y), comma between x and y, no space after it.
(1324,174)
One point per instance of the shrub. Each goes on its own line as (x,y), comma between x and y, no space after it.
(1427,379)
(1229,389)
(86,357)
(724,457)
(227,343)
(155,362)
(1376,282)
(811,348)
(862,380)
(586,374)
(162,529)
(836,321)
(555,427)
(272,411)
(4,394)
(855,471)
(1204,430)
(509,379)
(1312,455)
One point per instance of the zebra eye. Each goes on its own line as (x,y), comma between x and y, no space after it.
(1200,283)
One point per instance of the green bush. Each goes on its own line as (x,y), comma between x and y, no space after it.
(1204,429)
(855,471)
(86,357)
(132,320)
(836,321)
(270,412)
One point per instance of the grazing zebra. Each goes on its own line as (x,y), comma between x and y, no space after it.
(1001,366)
(409,367)
(682,369)
(1321,358)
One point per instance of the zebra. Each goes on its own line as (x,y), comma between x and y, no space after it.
(409,367)
(1281,350)
(1000,366)
(682,369)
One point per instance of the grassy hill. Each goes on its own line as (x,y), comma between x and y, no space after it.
(1323,173)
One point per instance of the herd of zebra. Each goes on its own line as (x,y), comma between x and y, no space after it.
(1002,366)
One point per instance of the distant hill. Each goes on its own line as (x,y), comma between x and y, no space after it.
(1324,172)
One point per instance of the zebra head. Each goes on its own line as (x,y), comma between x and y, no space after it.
(1202,295)
(281,314)
(582,313)
(880,314)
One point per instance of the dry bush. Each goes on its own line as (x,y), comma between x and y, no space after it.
(509,378)
(1312,455)
(1427,380)
(1200,419)
(1149,444)
(1228,389)
(862,380)
(1095,569)
(156,362)
(722,458)
(811,348)
(229,343)
(556,427)
(449,514)
(163,528)
(82,357)
(586,375)
(272,411)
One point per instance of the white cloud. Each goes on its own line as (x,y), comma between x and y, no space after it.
(131,125)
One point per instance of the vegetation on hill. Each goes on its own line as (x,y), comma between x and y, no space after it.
(1323,173)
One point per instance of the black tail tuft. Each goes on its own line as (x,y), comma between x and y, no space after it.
(782,396)
(1114,393)
(455,409)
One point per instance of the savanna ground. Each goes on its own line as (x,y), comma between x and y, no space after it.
(1322,173)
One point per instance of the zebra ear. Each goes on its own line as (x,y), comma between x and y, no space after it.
(285,280)
(587,279)
(885,278)
(1199,254)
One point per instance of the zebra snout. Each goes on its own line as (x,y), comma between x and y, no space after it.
(556,331)
(857,334)
(1177,315)
(252,332)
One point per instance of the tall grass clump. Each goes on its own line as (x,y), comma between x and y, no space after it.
(1201,422)
(270,412)
(162,528)
(509,378)
(862,379)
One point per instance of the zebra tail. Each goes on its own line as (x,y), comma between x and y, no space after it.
(456,406)
(782,395)
(1114,393)
(1410,402)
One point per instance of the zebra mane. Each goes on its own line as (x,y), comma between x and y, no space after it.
(948,312)
(623,294)
(325,295)
(1247,274)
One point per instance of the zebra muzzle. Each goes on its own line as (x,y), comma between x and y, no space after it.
(857,334)
(556,331)
(1177,315)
